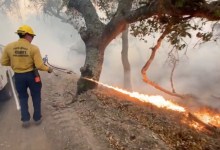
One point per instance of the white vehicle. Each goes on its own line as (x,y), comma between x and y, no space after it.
(5,85)
(7,89)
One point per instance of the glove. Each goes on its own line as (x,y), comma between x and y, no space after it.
(50,70)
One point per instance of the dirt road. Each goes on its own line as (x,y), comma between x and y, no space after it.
(100,119)
(14,137)
(60,129)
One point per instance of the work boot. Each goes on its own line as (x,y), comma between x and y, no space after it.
(38,122)
(25,124)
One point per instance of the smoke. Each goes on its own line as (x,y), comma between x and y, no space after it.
(197,73)
(201,73)
(53,38)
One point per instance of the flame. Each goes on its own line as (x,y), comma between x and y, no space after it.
(196,125)
(205,116)
(157,100)
(209,117)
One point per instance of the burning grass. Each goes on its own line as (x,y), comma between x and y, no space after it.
(124,120)
(205,117)
(209,117)
(167,124)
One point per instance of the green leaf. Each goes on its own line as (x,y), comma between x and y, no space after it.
(179,3)
(217,13)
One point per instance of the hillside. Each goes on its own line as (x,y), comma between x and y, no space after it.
(117,121)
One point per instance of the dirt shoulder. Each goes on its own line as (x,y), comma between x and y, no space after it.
(14,137)
(98,119)
(89,123)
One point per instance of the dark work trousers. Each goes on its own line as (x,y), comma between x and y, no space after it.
(23,81)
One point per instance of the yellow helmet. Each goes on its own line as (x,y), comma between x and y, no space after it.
(25,29)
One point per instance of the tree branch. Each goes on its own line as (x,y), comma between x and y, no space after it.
(117,23)
(148,63)
(210,11)
(86,8)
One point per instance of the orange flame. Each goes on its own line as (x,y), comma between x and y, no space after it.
(159,101)
(197,126)
(209,118)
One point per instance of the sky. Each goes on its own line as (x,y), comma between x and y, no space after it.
(197,73)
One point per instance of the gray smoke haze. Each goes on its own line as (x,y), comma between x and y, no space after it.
(197,73)
(54,39)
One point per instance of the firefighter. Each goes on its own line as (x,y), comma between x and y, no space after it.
(24,57)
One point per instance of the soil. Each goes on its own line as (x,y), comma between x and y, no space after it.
(99,119)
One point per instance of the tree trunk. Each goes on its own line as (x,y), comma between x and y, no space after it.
(125,61)
(91,69)
(171,76)
(96,37)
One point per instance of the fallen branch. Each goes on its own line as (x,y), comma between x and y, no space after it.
(209,127)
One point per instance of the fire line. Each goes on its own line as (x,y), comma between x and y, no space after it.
(160,102)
